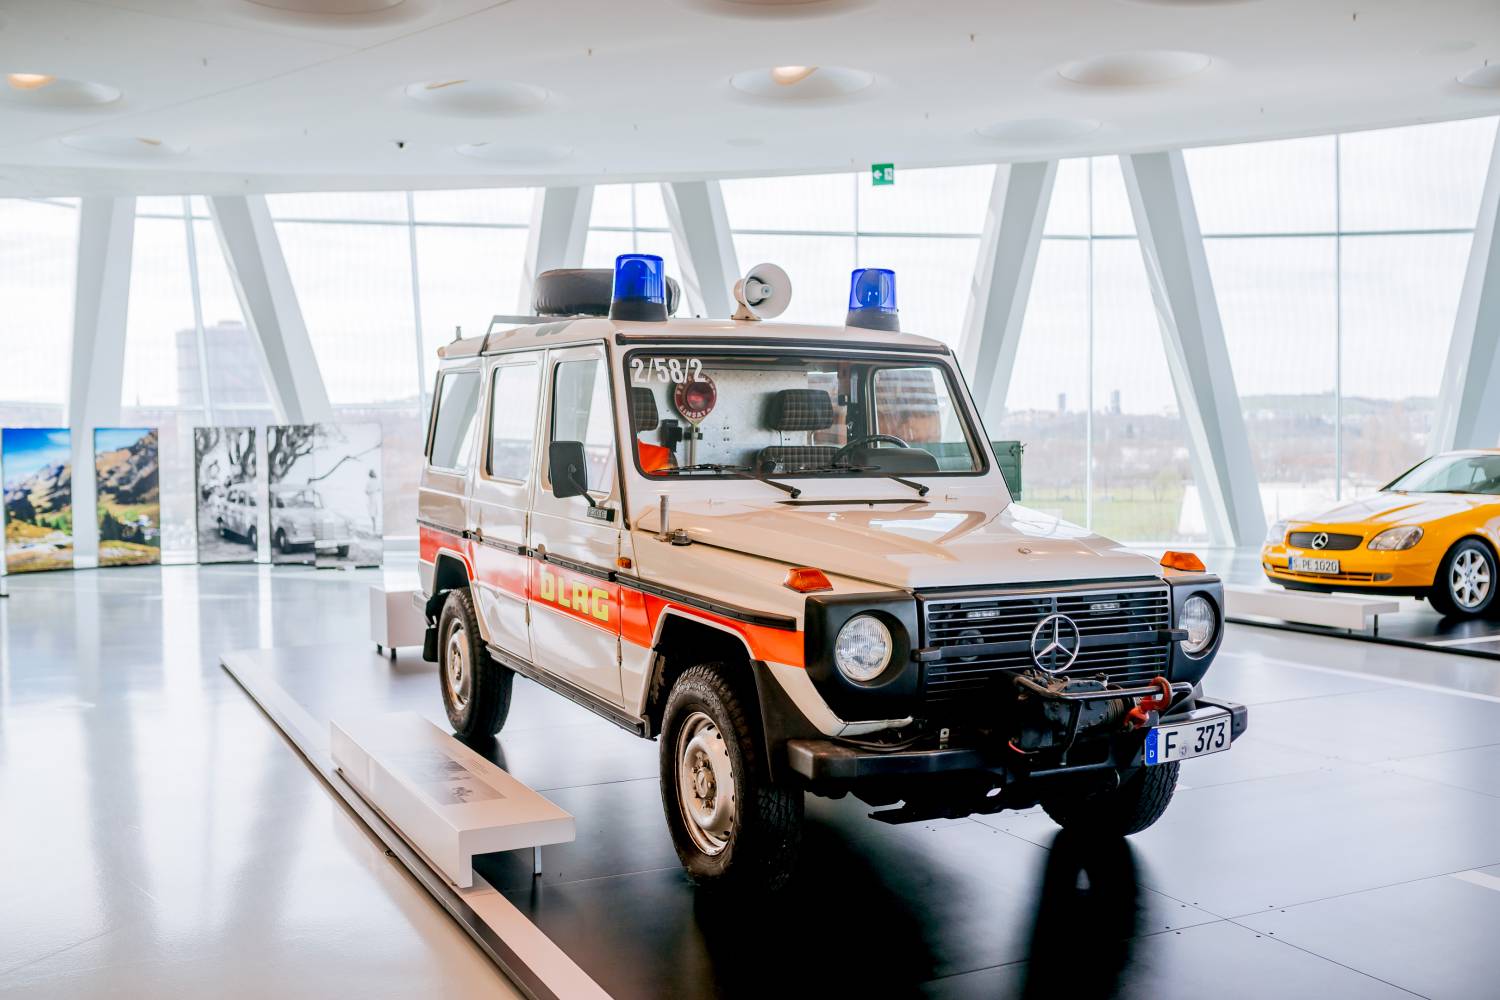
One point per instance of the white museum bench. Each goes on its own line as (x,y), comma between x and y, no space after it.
(1349,611)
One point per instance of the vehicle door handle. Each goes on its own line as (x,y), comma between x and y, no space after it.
(541,551)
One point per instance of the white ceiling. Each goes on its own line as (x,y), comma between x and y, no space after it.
(244,96)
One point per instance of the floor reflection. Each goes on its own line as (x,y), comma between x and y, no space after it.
(1087,916)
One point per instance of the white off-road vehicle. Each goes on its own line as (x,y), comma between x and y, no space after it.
(786,552)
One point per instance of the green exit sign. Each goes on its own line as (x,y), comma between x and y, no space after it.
(882,173)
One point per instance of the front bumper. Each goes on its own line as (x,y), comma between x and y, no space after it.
(1412,570)
(831,762)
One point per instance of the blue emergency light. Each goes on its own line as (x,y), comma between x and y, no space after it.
(640,289)
(872,300)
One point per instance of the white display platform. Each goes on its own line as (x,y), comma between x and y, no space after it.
(448,801)
(530,958)
(1351,611)
(396,617)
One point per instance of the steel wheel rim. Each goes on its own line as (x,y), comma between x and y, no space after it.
(1469,580)
(456,667)
(705,784)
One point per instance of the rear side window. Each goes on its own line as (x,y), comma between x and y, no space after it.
(453,431)
(580,412)
(512,422)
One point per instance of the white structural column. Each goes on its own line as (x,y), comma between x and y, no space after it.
(705,246)
(106,240)
(269,302)
(1469,403)
(559,229)
(1193,335)
(1002,279)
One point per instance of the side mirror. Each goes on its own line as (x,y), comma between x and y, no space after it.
(568,471)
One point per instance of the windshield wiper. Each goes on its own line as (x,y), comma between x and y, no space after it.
(738,471)
(922,490)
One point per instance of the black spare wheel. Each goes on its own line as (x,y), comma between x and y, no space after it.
(583,291)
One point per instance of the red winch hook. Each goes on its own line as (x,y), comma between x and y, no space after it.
(1140,716)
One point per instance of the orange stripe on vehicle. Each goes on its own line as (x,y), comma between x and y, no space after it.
(640,613)
(576,595)
(505,571)
(430,542)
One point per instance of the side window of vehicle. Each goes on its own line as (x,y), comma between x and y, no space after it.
(581,412)
(453,431)
(512,421)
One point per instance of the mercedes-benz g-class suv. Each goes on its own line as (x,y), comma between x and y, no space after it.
(786,553)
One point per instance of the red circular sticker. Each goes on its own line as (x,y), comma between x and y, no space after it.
(695,398)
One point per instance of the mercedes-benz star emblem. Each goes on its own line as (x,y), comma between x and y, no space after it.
(1055,643)
(1320,540)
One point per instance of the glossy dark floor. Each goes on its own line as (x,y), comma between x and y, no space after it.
(1347,847)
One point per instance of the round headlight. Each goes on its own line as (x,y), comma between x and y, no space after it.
(1198,618)
(862,649)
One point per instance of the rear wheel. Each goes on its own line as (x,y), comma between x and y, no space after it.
(1138,801)
(476,689)
(253,538)
(731,825)
(280,540)
(1466,580)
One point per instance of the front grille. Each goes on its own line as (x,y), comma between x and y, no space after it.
(1124,631)
(1336,543)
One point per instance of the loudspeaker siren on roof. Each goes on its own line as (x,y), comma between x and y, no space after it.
(763,293)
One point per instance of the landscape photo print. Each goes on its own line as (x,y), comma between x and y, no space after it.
(227,494)
(37,464)
(127,477)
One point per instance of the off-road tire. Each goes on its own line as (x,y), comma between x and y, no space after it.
(1441,597)
(482,714)
(764,843)
(1139,801)
(584,291)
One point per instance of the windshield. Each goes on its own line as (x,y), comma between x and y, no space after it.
(1452,474)
(790,414)
(302,498)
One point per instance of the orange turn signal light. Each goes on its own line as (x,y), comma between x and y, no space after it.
(1182,560)
(806,580)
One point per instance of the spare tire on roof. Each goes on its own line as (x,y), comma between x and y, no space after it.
(583,291)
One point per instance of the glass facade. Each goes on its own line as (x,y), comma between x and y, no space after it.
(1336,261)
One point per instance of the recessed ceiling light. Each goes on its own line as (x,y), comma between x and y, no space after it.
(125,147)
(1482,77)
(28,81)
(817,83)
(788,75)
(1039,131)
(475,98)
(1138,68)
(41,90)
(515,154)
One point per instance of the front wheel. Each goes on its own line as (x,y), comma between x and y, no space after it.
(1465,583)
(1137,802)
(731,825)
(476,689)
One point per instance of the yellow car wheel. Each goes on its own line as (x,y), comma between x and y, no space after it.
(1466,581)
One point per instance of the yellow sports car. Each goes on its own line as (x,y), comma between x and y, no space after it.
(1432,533)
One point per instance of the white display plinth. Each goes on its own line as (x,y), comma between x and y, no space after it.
(396,619)
(446,800)
(1352,611)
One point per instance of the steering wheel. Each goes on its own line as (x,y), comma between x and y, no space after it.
(843,453)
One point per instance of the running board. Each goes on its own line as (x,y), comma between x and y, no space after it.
(598,706)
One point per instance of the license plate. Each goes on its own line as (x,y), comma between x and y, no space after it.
(1302,564)
(1165,744)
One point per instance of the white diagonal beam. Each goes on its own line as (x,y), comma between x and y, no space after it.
(559,229)
(1469,402)
(101,302)
(1197,355)
(1002,279)
(269,302)
(704,244)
